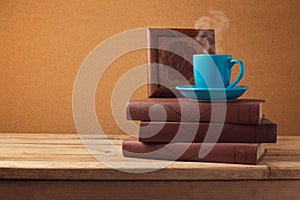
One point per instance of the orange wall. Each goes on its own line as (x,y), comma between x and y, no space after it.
(43,44)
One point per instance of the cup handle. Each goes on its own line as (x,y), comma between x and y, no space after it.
(241,73)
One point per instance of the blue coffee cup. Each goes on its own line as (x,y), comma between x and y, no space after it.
(214,70)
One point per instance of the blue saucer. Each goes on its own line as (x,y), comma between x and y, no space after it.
(211,94)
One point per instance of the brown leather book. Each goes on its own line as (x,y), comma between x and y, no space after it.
(241,111)
(237,153)
(266,132)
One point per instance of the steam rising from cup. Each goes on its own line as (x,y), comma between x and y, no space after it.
(216,20)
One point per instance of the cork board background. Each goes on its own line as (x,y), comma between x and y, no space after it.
(43,44)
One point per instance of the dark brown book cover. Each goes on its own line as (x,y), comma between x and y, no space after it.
(237,153)
(266,132)
(241,111)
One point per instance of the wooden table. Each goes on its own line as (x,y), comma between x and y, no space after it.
(57,166)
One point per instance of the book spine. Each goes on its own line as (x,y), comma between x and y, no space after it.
(221,152)
(196,132)
(243,114)
(235,113)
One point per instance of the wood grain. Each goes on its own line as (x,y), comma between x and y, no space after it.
(64,157)
(121,190)
(57,166)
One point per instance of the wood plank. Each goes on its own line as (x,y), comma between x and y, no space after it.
(58,156)
(39,141)
(111,136)
(57,136)
(90,158)
(295,144)
(288,138)
(281,159)
(98,142)
(48,157)
(285,170)
(37,135)
(125,190)
(98,171)
(282,152)
(79,148)
(282,146)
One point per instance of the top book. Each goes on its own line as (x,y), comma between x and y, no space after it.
(241,111)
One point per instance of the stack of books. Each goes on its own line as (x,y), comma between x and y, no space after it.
(185,130)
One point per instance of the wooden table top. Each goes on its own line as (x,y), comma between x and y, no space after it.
(64,157)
